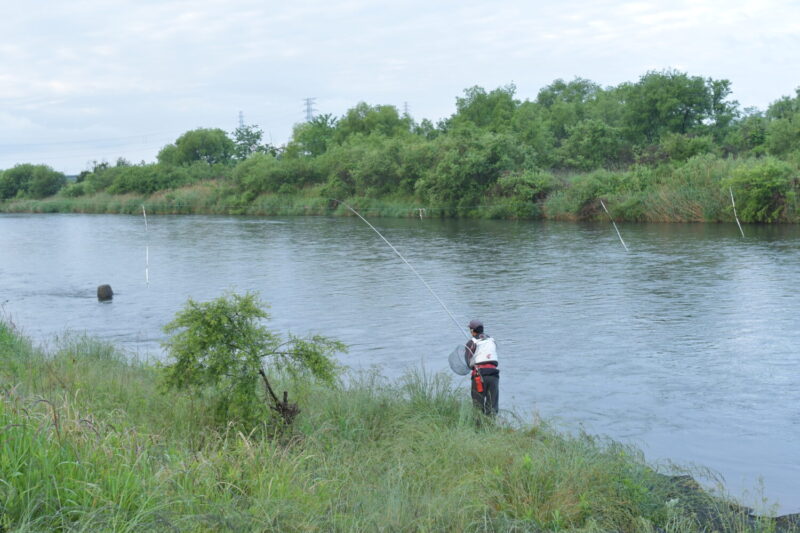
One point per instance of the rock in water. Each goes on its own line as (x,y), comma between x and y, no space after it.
(104,293)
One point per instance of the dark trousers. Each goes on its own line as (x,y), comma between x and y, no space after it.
(487,400)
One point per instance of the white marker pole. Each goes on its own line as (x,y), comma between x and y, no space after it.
(146,250)
(615,225)
(733,203)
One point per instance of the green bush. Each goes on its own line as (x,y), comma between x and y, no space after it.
(765,190)
(218,348)
(73,190)
(681,147)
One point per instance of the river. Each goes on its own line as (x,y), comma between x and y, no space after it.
(687,345)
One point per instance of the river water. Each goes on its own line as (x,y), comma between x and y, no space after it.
(687,346)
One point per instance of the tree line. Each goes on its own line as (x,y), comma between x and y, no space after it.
(573,140)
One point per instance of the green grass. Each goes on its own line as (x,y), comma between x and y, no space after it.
(91,441)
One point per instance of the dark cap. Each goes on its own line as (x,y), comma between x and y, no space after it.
(475,324)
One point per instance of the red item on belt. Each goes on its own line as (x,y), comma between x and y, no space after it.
(478,382)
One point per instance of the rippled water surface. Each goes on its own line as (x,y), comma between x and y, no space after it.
(687,346)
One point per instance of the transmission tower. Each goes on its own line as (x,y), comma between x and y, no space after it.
(406,110)
(241,119)
(310,108)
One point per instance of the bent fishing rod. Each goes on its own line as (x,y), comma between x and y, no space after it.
(414,270)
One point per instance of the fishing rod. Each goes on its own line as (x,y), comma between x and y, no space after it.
(414,270)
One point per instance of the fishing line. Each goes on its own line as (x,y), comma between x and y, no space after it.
(146,249)
(414,270)
(615,225)
(733,203)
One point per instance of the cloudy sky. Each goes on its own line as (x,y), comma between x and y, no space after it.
(92,80)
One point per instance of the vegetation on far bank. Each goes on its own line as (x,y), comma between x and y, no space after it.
(92,439)
(669,147)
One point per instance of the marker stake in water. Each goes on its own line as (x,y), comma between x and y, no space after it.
(733,203)
(146,250)
(615,225)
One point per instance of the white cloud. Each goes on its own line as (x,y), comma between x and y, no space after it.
(82,69)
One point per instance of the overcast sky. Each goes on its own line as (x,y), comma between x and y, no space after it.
(91,80)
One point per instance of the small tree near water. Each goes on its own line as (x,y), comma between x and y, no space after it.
(221,348)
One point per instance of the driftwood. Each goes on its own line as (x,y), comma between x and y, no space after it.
(287,410)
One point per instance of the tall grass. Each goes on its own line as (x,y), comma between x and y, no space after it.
(90,441)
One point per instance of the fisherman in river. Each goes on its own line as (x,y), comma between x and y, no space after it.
(481,357)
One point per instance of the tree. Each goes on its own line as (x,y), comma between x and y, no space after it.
(784,107)
(723,112)
(668,102)
(222,345)
(783,135)
(36,181)
(247,141)
(532,128)
(210,146)
(469,162)
(367,119)
(567,103)
(312,138)
(492,111)
(593,144)
(45,182)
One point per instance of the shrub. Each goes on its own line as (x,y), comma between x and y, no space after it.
(221,345)
(764,190)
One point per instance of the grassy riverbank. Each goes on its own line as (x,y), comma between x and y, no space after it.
(91,441)
(698,190)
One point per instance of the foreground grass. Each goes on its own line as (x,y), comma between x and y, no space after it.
(89,441)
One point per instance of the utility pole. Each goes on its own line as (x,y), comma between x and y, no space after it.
(241,119)
(310,108)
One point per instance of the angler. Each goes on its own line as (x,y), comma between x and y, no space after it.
(481,356)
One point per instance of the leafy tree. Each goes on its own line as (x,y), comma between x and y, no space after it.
(247,141)
(366,119)
(36,181)
(592,144)
(747,134)
(492,111)
(469,162)
(426,129)
(784,107)
(45,182)
(663,102)
(312,138)
(210,146)
(221,345)
(531,126)
(566,104)
(723,112)
(783,135)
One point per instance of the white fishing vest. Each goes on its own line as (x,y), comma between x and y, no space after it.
(485,351)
